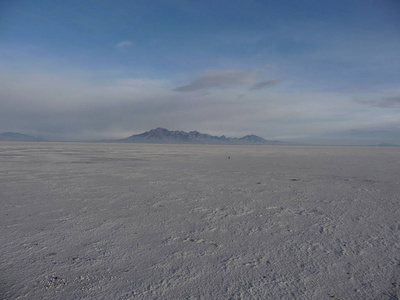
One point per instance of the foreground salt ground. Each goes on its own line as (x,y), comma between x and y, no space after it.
(131,221)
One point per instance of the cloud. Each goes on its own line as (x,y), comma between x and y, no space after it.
(219,79)
(124,44)
(392,101)
(263,84)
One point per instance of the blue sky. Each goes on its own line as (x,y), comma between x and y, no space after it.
(315,71)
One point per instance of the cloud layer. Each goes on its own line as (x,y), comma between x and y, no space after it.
(63,108)
(223,79)
(219,79)
(391,101)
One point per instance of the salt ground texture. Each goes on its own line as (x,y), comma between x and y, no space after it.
(139,221)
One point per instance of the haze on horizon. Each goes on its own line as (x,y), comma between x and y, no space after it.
(313,71)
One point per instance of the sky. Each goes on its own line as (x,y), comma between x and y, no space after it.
(312,71)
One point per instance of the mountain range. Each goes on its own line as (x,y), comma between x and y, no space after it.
(15,136)
(162,135)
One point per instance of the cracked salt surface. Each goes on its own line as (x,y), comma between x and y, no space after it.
(135,221)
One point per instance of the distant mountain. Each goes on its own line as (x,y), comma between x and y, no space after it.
(162,135)
(387,145)
(15,136)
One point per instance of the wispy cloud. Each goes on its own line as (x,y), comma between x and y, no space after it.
(264,84)
(392,101)
(219,79)
(124,45)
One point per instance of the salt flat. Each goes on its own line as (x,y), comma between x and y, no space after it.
(140,221)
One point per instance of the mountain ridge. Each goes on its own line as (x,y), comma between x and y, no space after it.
(16,136)
(165,136)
